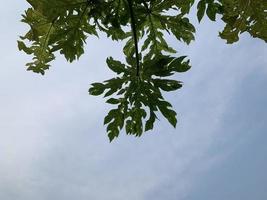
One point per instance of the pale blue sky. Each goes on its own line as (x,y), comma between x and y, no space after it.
(53,144)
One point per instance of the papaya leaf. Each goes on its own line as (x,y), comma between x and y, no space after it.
(63,26)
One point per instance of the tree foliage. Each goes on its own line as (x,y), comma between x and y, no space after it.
(136,91)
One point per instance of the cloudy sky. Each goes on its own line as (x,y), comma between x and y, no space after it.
(53,143)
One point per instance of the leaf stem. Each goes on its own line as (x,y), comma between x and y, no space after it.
(133,24)
(45,43)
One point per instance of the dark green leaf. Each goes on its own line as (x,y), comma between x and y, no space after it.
(113,101)
(116,66)
(201,8)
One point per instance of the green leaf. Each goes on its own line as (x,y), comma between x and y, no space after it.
(211,11)
(24,48)
(115,121)
(167,85)
(178,65)
(169,114)
(150,122)
(201,8)
(110,116)
(116,66)
(113,101)
(97,89)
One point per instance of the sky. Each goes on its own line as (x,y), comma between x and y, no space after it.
(53,144)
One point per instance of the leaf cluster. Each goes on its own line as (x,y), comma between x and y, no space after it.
(138,99)
(239,16)
(136,92)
